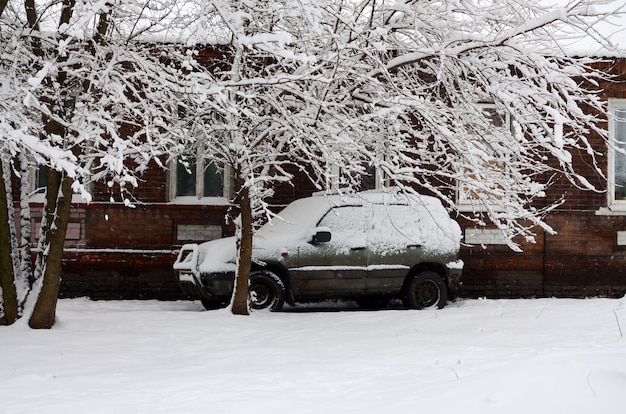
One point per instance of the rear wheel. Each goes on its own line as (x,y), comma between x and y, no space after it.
(426,290)
(267,290)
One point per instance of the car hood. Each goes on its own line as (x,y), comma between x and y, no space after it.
(220,255)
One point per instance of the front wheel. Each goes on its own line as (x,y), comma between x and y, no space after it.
(426,290)
(212,304)
(267,291)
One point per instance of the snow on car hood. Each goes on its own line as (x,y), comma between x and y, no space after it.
(296,222)
(218,255)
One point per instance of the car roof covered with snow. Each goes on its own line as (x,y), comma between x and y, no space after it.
(300,217)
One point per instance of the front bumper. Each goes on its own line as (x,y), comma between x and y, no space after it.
(455,270)
(207,285)
(201,285)
(219,283)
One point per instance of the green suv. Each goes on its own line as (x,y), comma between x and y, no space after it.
(370,247)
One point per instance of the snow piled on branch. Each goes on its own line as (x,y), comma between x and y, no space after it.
(331,90)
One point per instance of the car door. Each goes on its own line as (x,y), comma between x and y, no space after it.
(394,245)
(335,268)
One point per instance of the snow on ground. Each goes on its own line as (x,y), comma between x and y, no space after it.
(474,356)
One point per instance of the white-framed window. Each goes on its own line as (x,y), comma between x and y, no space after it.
(372,179)
(467,196)
(37,179)
(192,176)
(617,154)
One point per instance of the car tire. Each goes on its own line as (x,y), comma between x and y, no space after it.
(212,304)
(426,290)
(267,290)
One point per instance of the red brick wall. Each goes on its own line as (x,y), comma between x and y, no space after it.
(583,258)
(300,187)
(152,188)
(127,252)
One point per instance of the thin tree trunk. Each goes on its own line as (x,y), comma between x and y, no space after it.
(26,277)
(31,14)
(244,233)
(9,294)
(58,202)
(240,298)
(6,173)
(3,5)
(58,212)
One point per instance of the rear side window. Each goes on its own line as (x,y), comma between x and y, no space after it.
(394,227)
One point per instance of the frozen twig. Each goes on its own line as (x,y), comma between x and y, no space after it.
(589,384)
(621,334)
(542,309)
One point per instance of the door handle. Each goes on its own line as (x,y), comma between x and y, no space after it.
(357,248)
(414,246)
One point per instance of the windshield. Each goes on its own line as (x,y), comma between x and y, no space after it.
(298,218)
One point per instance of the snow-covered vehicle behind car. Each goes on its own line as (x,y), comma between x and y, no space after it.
(370,247)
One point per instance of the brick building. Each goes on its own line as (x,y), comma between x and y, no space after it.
(587,256)
(113,251)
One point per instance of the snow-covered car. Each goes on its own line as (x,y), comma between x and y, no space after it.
(370,247)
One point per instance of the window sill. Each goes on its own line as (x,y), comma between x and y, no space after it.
(477,208)
(202,201)
(612,210)
(40,198)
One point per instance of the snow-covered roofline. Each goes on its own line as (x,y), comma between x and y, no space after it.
(601,33)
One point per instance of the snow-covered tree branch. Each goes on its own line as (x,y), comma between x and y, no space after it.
(483,100)
(479,102)
(84,103)
(482,103)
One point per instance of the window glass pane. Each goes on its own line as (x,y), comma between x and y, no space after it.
(620,159)
(213,181)
(368,180)
(186,177)
(42,179)
(495,118)
(346,225)
(472,190)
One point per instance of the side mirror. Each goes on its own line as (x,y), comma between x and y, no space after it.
(321,236)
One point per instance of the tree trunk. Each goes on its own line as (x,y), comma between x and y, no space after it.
(58,190)
(242,280)
(3,5)
(9,294)
(58,212)
(26,277)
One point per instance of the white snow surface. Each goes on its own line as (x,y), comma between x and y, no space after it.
(474,356)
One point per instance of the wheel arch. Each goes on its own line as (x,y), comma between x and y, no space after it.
(274,267)
(422,267)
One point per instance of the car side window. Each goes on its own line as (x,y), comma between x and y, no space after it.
(346,225)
